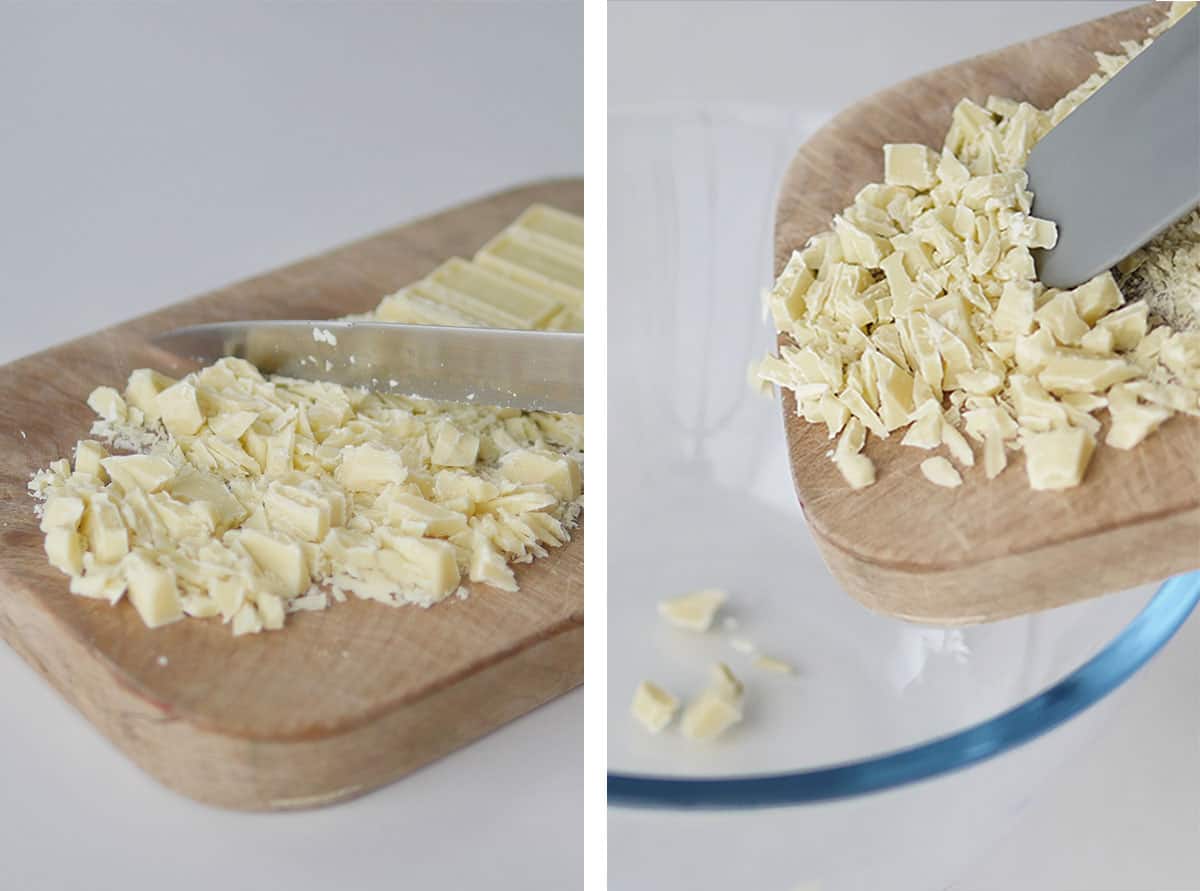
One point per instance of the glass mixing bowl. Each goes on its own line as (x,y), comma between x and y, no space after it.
(820,781)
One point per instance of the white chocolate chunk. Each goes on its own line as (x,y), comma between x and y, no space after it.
(653,707)
(107,536)
(199,607)
(1057,459)
(152,591)
(281,559)
(856,469)
(88,457)
(694,611)
(232,425)
(64,548)
(107,403)
(421,561)
(558,472)
(454,448)
(179,408)
(1060,317)
(63,512)
(1076,374)
(368,468)
(926,429)
(247,621)
(1095,298)
(423,517)
(1015,311)
(270,609)
(297,512)
(908,164)
(959,448)
(1131,421)
(147,473)
(940,472)
(142,391)
(710,715)
(488,567)
(726,682)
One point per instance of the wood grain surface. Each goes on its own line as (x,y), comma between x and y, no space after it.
(989,549)
(340,701)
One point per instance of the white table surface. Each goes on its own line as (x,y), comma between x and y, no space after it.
(150,152)
(1125,815)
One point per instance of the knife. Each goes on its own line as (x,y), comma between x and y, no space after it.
(1125,164)
(534,370)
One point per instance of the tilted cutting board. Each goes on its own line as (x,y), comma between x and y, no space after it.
(988,549)
(338,702)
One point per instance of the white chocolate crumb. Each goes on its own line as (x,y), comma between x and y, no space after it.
(772,664)
(742,645)
(324,335)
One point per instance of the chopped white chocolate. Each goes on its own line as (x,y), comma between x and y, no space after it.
(908,164)
(147,473)
(558,472)
(280,559)
(243,494)
(694,611)
(62,513)
(726,682)
(152,591)
(247,621)
(940,472)
(107,536)
(1057,459)
(107,403)
(920,308)
(857,470)
(369,468)
(710,715)
(1131,421)
(88,457)
(179,407)
(65,550)
(959,448)
(653,707)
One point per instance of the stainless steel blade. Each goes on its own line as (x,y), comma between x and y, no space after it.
(539,370)
(1125,164)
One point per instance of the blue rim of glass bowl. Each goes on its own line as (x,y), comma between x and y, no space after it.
(1142,638)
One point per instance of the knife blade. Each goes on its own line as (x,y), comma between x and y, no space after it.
(534,370)
(1124,165)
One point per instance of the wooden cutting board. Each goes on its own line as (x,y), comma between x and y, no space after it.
(989,549)
(339,702)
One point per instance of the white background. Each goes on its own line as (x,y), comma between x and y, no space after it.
(152,151)
(1126,815)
